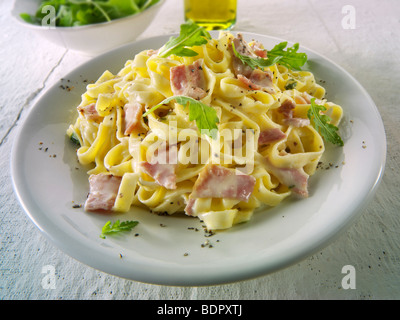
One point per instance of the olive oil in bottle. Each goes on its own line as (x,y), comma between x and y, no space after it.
(211,14)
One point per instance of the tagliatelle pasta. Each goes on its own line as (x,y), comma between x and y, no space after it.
(264,150)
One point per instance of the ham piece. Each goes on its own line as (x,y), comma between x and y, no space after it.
(270,135)
(286,109)
(297,122)
(103,192)
(307,98)
(162,167)
(258,80)
(133,115)
(90,112)
(253,79)
(163,174)
(219,182)
(151,52)
(295,179)
(189,80)
(242,48)
(258,49)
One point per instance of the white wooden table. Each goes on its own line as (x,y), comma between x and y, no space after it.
(369,51)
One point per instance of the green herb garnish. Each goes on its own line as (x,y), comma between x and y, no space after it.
(71,13)
(321,123)
(290,84)
(255,62)
(116,227)
(205,116)
(289,58)
(190,35)
(74,138)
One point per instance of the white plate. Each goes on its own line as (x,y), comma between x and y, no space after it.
(173,254)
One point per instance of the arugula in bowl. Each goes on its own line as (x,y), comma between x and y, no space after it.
(70,13)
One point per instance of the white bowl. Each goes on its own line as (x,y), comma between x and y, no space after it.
(94,38)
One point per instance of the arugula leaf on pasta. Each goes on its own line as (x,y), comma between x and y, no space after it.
(289,58)
(205,116)
(322,125)
(190,35)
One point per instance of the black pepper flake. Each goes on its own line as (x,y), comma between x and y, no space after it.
(208,233)
(207,244)
(363,145)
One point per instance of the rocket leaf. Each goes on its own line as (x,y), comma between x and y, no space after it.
(205,116)
(289,58)
(116,227)
(321,123)
(190,35)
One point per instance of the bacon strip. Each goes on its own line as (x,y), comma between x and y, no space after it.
(133,115)
(297,122)
(163,174)
(103,192)
(295,179)
(90,112)
(307,97)
(270,135)
(286,109)
(258,49)
(253,79)
(258,80)
(162,167)
(219,182)
(242,48)
(151,52)
(188,80)
(189,207)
